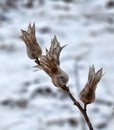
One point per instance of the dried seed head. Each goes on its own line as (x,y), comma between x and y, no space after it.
(87,95)
(29,38)
(50,64)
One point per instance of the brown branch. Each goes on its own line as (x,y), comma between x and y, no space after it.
(82,110)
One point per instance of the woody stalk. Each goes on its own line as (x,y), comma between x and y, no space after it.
(50,64)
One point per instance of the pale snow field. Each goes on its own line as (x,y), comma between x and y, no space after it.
(28,99)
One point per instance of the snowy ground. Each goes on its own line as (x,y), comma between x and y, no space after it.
(28,100)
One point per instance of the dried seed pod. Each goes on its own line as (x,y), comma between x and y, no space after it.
(29,38)
(60,80)
(50,64)
(58,76)
(87,95)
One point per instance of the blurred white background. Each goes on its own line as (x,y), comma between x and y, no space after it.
(28,99)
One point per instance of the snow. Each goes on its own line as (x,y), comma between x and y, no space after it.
(28,99)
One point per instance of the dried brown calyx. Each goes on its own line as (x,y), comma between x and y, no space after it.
(50,62)
(29,38)
(87,95)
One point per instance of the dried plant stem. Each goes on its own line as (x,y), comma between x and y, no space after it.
(50,63)
(82,110)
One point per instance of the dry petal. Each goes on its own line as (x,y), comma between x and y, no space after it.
(55,50)
(99,75)
(94,78)
(91,72)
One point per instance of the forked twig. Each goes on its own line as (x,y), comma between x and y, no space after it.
(82,110)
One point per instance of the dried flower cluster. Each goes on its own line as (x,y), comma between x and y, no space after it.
(50,62)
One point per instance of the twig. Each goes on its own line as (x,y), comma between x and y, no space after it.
(82,110)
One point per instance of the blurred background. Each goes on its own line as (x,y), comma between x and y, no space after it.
(28,99)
